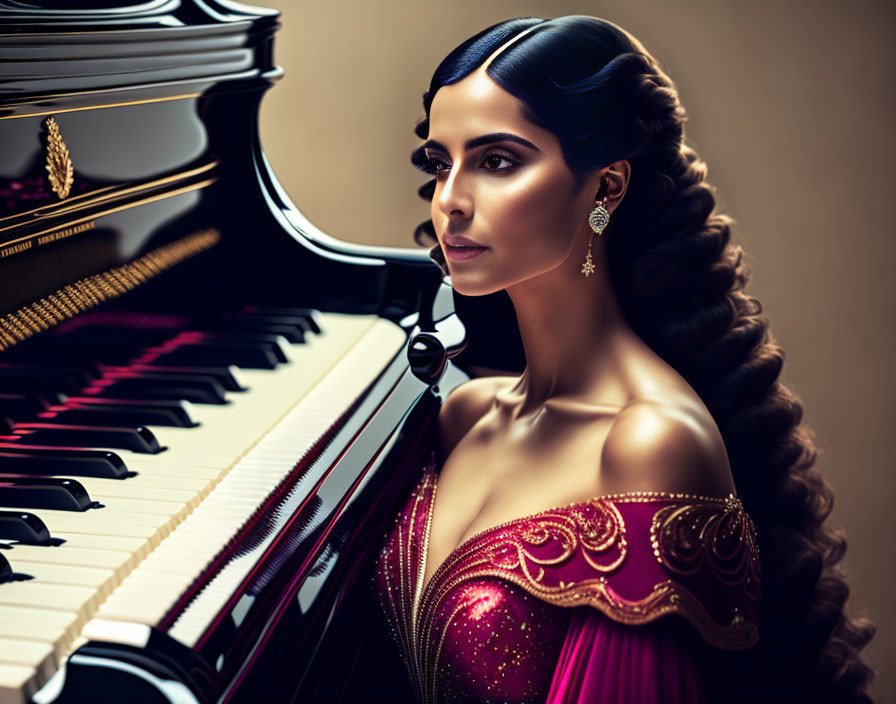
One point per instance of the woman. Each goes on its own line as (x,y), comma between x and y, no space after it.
(594,530)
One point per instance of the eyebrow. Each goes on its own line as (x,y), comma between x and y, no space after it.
(484,139)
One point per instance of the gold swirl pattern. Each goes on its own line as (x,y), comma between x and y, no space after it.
(685,538)
(597,527)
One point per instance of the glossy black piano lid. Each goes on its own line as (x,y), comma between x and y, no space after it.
(115,149)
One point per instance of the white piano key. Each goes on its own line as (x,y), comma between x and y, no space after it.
(18,683)
(119,562)
(58,628)
(55,597)
(100,489)
(137,546)
(160,467)
(32,653)
(161,508)
(176,457)
(62,528)
(157,479)
(102,515)
(102,581)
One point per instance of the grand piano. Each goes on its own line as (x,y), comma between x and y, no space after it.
(209,408)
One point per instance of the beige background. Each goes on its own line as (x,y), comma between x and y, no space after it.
(790,104)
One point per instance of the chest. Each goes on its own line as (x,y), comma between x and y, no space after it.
(495,475)
(471,637)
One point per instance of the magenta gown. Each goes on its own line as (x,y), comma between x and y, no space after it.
(640,597)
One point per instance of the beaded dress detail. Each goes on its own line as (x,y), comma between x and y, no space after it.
(567,605)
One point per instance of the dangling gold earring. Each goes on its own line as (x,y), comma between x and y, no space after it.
(598,221)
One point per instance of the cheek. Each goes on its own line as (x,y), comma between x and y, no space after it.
(537,210)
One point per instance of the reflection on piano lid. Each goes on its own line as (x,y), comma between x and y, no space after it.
(208,408)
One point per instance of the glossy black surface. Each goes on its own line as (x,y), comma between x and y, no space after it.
(26,491)
(48,461)
(23,527)
(161,155)
(5,569)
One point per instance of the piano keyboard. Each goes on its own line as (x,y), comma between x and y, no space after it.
(130,560)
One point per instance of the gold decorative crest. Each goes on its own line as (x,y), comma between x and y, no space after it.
(59,163)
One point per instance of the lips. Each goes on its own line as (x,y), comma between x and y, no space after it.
(459,248)
(460,241)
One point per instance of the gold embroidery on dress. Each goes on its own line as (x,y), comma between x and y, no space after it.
(600,531)
(597,529)
(417,667)
(685,538)
(686,534)
(423,497)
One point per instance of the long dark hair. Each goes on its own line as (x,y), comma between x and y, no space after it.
(680,283)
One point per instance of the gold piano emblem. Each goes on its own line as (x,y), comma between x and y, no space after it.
(59,163)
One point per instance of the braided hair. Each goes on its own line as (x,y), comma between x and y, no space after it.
(681,283)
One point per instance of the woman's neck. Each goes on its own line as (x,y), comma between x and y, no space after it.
(573,334)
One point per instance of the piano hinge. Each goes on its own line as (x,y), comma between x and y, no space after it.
(87,293)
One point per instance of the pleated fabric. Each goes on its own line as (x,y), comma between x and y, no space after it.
(663,662)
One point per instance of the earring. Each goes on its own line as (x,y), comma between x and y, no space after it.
(598,221)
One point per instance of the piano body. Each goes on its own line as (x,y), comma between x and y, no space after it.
(209,409)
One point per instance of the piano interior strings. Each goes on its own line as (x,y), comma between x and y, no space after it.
(208,407)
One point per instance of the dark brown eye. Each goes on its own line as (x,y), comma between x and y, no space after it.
(493,161)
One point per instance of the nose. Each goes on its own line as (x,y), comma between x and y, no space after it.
(454,197)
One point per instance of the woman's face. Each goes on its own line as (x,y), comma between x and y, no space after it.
(501,184)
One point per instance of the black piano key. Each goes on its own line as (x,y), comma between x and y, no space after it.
(24,527)
(199,377)
(257,355)
(49,461)
(22,406)
(72,376)
(97,414)
(293,330)
(309,314)
(276,343)
(150,387)
(56,493)
(57,350)
(303,323)
(137,439)
(224,375)
(178,409)
(93,336)
(34,381)
(49,350)
(5,569)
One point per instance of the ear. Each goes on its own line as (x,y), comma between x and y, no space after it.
(613,181)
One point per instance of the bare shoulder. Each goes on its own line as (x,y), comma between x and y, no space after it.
(465,405)
(659,447)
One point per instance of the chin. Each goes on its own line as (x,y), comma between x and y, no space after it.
(472,286)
